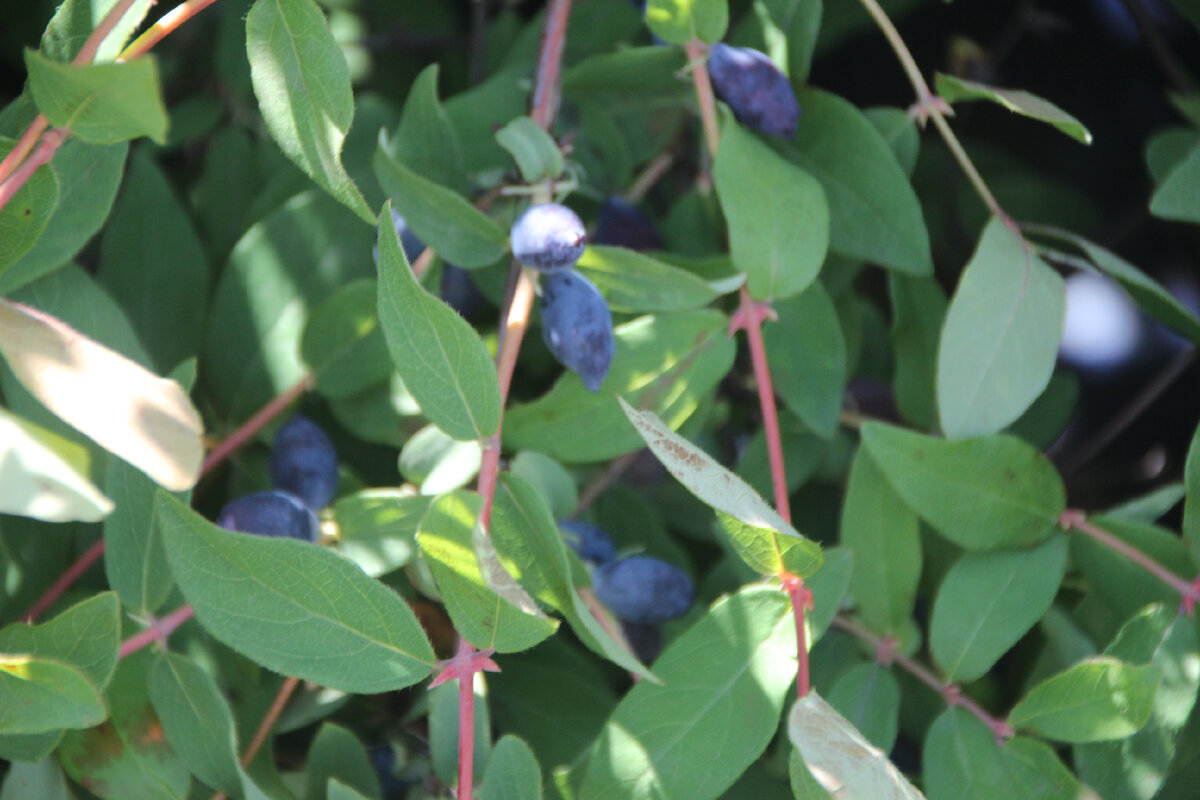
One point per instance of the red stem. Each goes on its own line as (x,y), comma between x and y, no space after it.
(750,317)
(163,26)
(466,721)
(66,580)
(23,146)
(44,152)
(159,630)
(801,600)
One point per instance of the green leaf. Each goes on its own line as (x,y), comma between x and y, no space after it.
(425,140)
(995,491)
(764,550)
(37,695)
(437,463)
(165,299)
(777,215)
(529,542)
(899,130)
(631,72)
(725,492)
(86,636)
(1100,698)
(963,761)
(885,537)
(343,344)
(100,103)
(665,364)
(294,608)
(443,730)
(1191,503)
(807,355)
(1148,293)
(678,21)
(43,780)
(147,420)
(1019,101)
(874,212)
(550,479)
(336,754)
(1167,148)
(632,282)
(512,774)
(1000,340)
(460,233)
(868,696)
(671,739)
(838,756)
(486,616)
(918,310)
(36,481)
(442,360)
(789,31)
(88,177)
(26,214)
(127,758)
(535,151)
(1137,767)
(290,262)
(197,721)
(303,88)
(988,601)
(377,528)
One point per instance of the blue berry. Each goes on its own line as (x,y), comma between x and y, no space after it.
(646,640)
(643,590)
(760,96)
(458,291)
(304,463)
(548,237)
(409,241)
(577,326)
(271,513)
(590,542)
(623,225)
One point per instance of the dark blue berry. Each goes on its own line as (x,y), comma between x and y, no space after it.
(644,590)
(590,542)
(760,96)
(304,463)
(270,514)
(623,225)
(458,290)
(577,326)
(646,640)
(548,237)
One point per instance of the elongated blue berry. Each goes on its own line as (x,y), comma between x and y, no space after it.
(577,326)
(304,463)
(589,541)
(644,590)
(760,96)
(271,513)
(548,237)
(623,225)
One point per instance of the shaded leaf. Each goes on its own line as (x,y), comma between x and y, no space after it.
(807,355)
(26,214)
(512,773)
(1019,101)
(632,282)
(677,21)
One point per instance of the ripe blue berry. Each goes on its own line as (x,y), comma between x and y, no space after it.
(644,590)
(304,463)
(646,640)
(623,225)
(271,513)
(590,542)
(548,237)
(577,326)
(759,95)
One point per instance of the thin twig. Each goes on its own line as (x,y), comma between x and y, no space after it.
(158,631)
(163,26)
(649,176)
(704,95)
(66,580)
(92,44)
(1074,519)
(928,104)
(605,479)
(23,146)
(256,423)
(264,727)
(950,692)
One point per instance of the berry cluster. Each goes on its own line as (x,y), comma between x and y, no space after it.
(304,472)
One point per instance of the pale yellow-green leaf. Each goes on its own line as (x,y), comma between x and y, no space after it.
(37,482)
(146,420)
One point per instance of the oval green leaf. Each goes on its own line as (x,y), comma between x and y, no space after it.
(995,491)
(441,358)
(1000,340)
(295,608)
(1100,698)
(1019,101)
(633,283)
